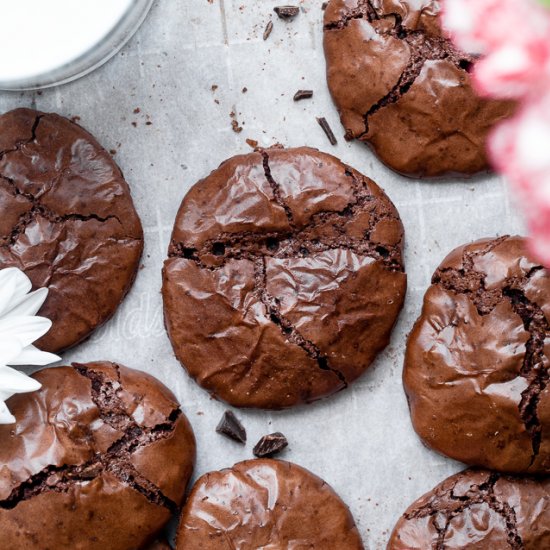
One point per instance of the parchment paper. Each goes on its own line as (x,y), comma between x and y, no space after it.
(361,440)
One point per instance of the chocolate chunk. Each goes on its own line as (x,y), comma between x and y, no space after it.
(327,129)
(286,12)
(268,29)
(303,94)
(270,444)
(231,427)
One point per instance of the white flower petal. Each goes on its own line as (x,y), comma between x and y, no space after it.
(29,304)
(4,395)
(9,349)
(31,355)
(18,284)
(5,416)
(24,329)
(13,381)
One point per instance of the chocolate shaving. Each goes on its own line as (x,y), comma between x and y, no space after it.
(268,29)
(327,129)
(303,94)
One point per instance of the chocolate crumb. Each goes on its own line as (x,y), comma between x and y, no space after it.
(214,87)
(244,90)
(268,29)
(112,151)
(231,427)
(134,124)
(270,444)
(252,142)
(137,110)
(303,94)
(327,129)
(286,12)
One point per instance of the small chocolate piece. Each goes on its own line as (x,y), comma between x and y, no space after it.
(266,503)
(327,129)
(478,509)
(286,12)
(303,94)
(270,445)
(231,427)
(268,29)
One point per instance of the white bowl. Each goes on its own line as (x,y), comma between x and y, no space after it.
(51,42)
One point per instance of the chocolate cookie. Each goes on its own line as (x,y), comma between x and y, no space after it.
(284,279)
(265,504)
(402,87)
(99,458)
(67,220)
(476,366)
(479,510)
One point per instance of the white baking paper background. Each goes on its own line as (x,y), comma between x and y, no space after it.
(361,440)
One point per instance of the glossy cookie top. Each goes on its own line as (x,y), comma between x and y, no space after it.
(284,278)
(477,358)
(265,504)
(402,87)
(99,458)
(480,510)
(67,220)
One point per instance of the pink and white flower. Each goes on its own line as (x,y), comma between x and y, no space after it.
(513,36)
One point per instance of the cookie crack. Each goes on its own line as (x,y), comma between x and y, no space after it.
(471,282)
(533,368)
(423,47)
(276,188)
(39,210)
(21,143)
(443,513)
(364,10)
(289,331)
(296,241)
(116,460)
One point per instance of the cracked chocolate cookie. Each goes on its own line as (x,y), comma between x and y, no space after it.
(67,220)
(99,458)
(403,88)
(265,504)
(476,365)
(478,509)
(284,278)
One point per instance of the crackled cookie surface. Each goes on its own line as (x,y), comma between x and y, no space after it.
(99,458)
(67,220)
(284,279)
(476,365)
(402,87)
(265,504)
(479,510)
